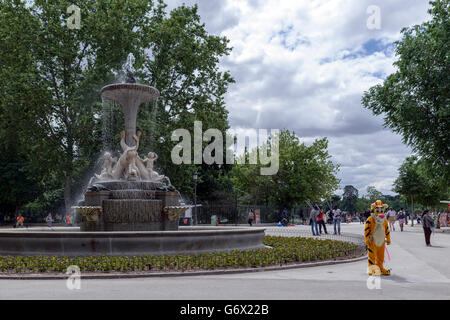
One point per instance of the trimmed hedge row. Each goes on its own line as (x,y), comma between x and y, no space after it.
(284,250)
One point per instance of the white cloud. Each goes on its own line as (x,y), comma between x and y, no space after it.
(303,66)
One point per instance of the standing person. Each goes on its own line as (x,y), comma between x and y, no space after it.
(337,219)
(251,217)
(401,218)
(68,220)
(406,217)
(428,224)
(49,220)
(284,219)
(19,221)
(391,214)
(321,221)
(314,214)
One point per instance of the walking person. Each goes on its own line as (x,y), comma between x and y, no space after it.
(314,214)
(19,221)
(251,217)
(321,221)
(391,215)
(428,224)
(49,220)
(337,219)
(401,218)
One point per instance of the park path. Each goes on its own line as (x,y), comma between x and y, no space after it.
(418,272)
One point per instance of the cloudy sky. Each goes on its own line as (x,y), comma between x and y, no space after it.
(303,65)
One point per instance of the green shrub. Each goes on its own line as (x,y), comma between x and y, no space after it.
(284,250)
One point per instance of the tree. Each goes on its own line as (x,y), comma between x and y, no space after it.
(305,173)
(350,198)
(418,184)
(57,74)
(184,66)
(372,195)
(415,100)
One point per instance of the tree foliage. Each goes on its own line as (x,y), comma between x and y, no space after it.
(350,198)
(51,76)
(416,183)
(415,100)
(305,173)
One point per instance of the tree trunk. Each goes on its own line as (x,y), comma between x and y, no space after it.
(68,192)
(412,210)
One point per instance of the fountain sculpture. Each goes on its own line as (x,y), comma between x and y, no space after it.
(128,195)
(128,208)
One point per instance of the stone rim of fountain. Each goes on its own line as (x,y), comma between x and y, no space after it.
(152,93)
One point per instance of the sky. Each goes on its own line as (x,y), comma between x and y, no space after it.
(303,65)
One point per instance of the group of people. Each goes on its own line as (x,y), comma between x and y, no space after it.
(427,219)
(318,220)
(19,220)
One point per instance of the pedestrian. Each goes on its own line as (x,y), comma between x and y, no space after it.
(391,215)
(284,219)
(401,218)
(19,221)
(337,219)
(428,224)
(49,220)
(321,221)
(406,217)
(68,220)
(314,214)
(251,217)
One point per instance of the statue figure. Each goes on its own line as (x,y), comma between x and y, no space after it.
(150,160)
(107,171)
(127,166)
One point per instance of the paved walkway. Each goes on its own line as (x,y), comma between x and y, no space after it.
(418,272)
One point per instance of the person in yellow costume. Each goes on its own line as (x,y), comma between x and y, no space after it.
(376,234)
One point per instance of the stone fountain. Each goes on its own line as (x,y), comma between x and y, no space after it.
(129,195)
(128,208)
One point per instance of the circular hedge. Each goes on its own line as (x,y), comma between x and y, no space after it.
(284,250)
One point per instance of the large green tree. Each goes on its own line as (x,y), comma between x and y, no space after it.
(418,184)
(56,74)
(305,173)
(415,100)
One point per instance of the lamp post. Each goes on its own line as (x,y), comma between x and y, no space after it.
(195,177)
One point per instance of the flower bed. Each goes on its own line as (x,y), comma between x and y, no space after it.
(284,250)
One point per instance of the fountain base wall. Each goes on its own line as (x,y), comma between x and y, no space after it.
(188,240)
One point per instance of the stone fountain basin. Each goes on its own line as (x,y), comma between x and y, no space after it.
(71,242)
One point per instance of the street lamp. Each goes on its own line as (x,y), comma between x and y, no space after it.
(195,177)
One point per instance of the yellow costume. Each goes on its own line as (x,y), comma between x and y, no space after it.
(376,233)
